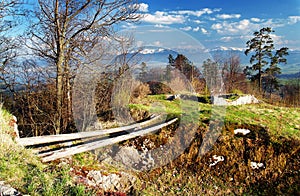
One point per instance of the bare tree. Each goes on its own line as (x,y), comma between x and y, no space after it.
(64,31)
(232,72)
(8,10)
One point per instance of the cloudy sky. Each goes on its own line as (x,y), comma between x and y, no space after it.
(225,23)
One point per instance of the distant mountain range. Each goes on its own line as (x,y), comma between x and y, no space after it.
(152,54)
(290,76)
(291,68)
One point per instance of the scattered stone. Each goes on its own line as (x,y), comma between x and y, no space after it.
(111,182)
(255,165)
(216,159)
(241,131)
(129,156)
(7,190)
(135,159)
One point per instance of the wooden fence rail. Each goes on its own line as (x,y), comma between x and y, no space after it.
(56,154)
(30,141)
(92,140)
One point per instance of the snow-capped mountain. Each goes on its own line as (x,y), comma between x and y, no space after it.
(159,56)
(223,48)
(150,54)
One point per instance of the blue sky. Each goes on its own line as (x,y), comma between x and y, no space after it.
(224,23)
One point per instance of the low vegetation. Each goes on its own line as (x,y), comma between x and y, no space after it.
(22,170)
(273,142)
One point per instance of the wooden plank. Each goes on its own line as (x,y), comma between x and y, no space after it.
(30,141)
(46,157)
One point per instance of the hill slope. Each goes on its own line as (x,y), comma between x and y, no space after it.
(263,162)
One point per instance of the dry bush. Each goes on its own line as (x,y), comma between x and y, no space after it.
(141,91)
(103,94)
(159,88)
(199,85)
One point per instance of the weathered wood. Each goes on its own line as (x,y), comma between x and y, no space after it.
(30,141)
(50,156)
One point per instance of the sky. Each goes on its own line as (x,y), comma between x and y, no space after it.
(226,24)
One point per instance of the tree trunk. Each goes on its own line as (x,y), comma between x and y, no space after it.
(259,81)
(67,94)
(59,93)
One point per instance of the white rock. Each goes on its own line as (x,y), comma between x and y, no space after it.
(216,159)
(247,99)
(7,190)
(242,131)
(255,165)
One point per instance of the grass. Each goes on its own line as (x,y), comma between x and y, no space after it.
(21,169)
(279,121)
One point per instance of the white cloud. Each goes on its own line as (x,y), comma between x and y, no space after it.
(225,48)
(293,19)
(228,16)
(204,31)
(198,21)
(197,13)
(196,29)
(243,24)
(279,41)
(160,17)
(217,9)
(188,28)
(255,19)
(246,26)
(241,27)
(129,26)
(143,7)
(217,26)
(226,39)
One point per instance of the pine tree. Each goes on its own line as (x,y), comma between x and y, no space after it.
(263,55)
(169,67)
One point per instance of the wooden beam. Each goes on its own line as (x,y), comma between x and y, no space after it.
(50,156)
(30,141)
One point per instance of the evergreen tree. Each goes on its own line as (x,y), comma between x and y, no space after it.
(143,71)
(169,67)
(271,72)
(262,46)
(184,65)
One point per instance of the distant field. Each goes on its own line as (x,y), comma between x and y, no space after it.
(290,68)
